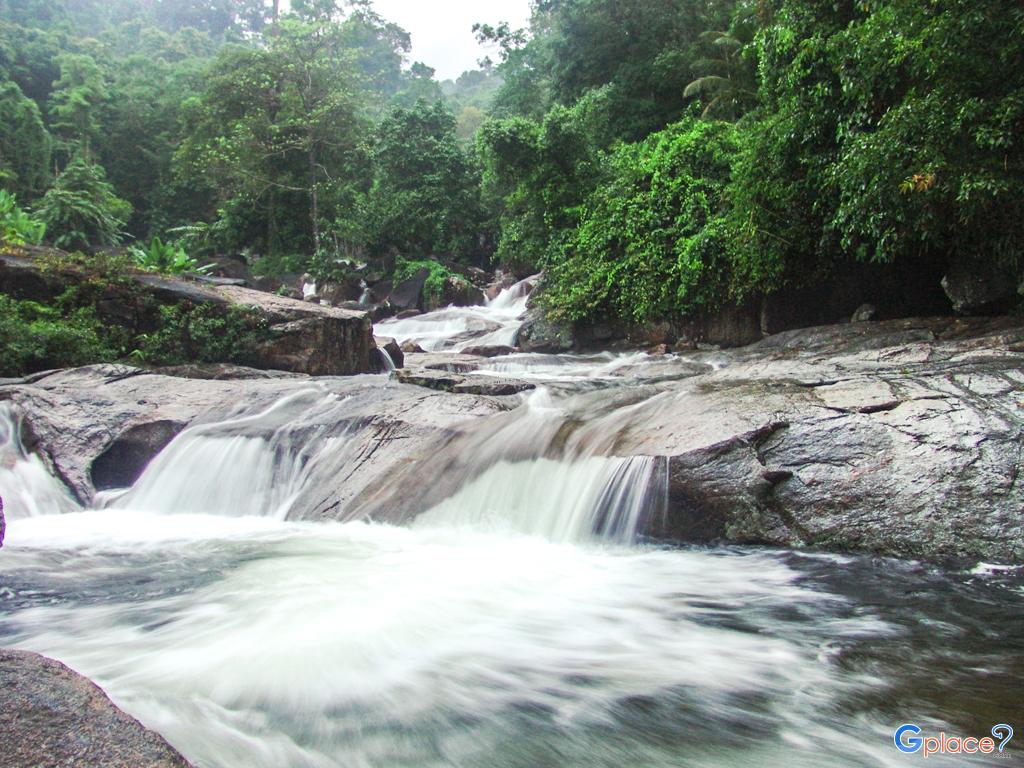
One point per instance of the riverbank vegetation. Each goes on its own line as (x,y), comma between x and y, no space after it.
(652,157)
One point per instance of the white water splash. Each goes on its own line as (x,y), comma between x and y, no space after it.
(26,485)
(253,465)
(561,501)
(456,328)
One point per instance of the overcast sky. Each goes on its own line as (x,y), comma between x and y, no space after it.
(442,30)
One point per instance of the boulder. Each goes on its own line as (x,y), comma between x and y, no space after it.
(408,294)
(488,351)
(302,337)
(407,313)
(980,287)
(52,717)
(900,437)
(391,348)
(411,347)
(540,334)
(865,313)
(457,292)
(310,339)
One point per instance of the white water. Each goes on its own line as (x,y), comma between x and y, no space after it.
(455,328)
(515,624)
(26,486)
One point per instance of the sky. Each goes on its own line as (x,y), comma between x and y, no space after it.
(442,30)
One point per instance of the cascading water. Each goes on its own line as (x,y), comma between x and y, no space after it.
(514,622)
(456,328)
(26,485)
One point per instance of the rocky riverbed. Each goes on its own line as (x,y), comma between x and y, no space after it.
(902,437)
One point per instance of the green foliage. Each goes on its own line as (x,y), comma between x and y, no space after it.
(204,333)
(423,199)
(169,258)
(35,337)
(77,97)
(653,240)
(24,144)
(81,210)
(16,226)
(889,132)
(439,275)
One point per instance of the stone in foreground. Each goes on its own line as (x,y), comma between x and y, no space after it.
(52,717)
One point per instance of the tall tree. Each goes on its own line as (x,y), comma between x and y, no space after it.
(78,96)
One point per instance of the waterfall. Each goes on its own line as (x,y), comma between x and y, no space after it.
(386,361)
(563,501)
(253,465)
(456,328)
(26,485)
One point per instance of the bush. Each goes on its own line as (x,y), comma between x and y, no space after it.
(81,210)
(35,337)
(168,258)
(653,240)
(17,227)
(204,334)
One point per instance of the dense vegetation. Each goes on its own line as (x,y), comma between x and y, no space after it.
(653,156)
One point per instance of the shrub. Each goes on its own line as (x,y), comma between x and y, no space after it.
(204,333)
(653,240)
(35,337)
(81,210)
(168,258)
(17,227)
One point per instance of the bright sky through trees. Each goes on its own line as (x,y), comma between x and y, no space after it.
(442,31)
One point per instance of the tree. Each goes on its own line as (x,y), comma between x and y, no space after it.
(423,199)
(24,144)
(81,210)
(274,128)
(75,103)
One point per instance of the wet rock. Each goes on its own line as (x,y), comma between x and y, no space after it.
(124,460)
(3,522)
(221,372)
(452,382)
(411,347)
(406,314)
(72,417)
(408,294)
(489,351)
(898,437)
(539,334)
(390,346)
(52,717)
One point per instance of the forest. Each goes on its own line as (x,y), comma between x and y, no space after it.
(652,157)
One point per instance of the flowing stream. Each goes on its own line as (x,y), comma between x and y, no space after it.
(523,621)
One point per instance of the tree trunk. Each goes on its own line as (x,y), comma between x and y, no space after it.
(314,207)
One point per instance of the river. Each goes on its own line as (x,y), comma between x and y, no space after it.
(522,621)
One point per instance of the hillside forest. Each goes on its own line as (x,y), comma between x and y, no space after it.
(652,157)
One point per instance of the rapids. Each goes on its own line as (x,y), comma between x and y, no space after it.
(521,621)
